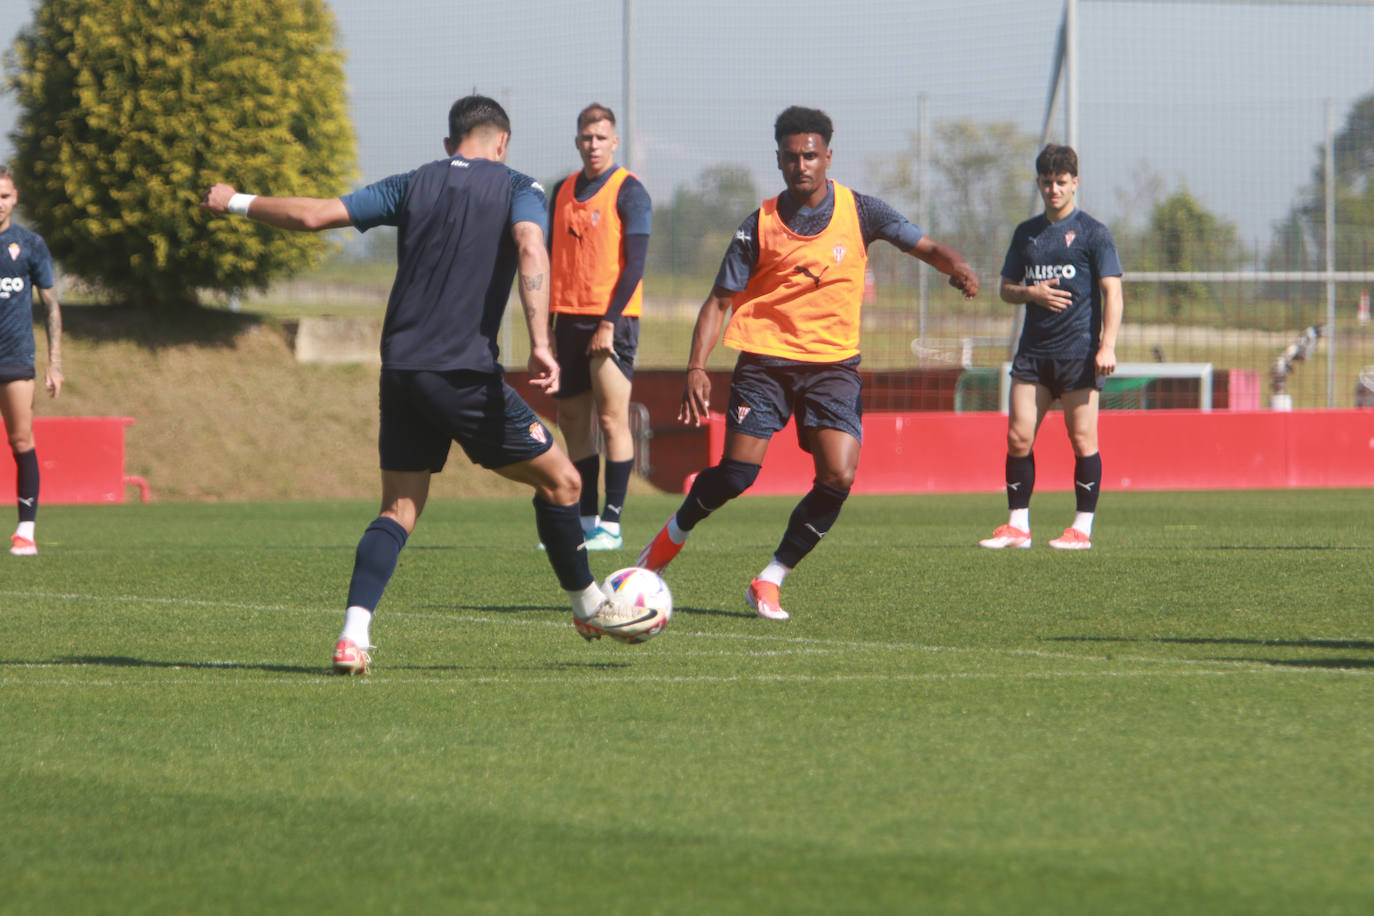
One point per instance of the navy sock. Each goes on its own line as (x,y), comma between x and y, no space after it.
(1020,480)
(375,561)
(560,532)
(26,484)
(1087,481)
(713,488)
(589,469)
(617,485)
(809,523)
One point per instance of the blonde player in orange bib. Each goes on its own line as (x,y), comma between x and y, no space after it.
(601,218)
(792,285)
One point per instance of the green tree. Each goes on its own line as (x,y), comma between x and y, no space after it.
(983,184)
(692,231)
(1300,239)
(1186,236)
(128,111)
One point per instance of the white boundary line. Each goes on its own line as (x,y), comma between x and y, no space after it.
(809,645)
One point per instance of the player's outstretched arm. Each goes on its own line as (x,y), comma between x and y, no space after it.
(533,259)
(948,261)
(300,214)
(696,388)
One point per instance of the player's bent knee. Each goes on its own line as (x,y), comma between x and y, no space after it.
(737,476)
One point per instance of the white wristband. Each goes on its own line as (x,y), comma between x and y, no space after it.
(238,204)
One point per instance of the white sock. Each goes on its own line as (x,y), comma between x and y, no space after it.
(774,572)
(611,527)
(1020,518)
(1083,521)
(676,534)
(25,530)
(585,602)
(356,623)
(588,522)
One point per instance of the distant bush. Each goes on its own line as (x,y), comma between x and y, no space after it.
(128,111)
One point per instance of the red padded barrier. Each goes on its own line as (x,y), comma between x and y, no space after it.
(1141,450)
(80,460)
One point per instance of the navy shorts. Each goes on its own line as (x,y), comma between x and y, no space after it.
(423,413)
(572,333)
(15,374)
(765,391)
(1058,375)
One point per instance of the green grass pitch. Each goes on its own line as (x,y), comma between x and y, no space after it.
(1178,721)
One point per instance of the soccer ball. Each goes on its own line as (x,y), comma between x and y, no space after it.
(641,591)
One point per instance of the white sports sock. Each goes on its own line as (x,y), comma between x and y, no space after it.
(25,530)
(611,527)
(585,602)
(1083,521)
(1020,518)
(588,522)
(676,534)
(357,621)
(774,572)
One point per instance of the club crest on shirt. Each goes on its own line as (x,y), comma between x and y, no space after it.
(596,217)
(1069,237)
(14,251)
(838,252)
(538,434)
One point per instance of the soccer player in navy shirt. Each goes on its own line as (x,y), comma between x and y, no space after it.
(1064,267)
(601,220)
(792,284)
(25,266)
(465,224)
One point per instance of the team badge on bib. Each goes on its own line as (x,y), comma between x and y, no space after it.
(838,251)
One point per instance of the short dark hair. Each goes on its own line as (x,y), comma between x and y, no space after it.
(593,113)
(474,111)
(1056,160)
(5,172)
(798,120)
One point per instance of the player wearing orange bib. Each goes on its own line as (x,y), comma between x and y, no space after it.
(792,282)
(601,221)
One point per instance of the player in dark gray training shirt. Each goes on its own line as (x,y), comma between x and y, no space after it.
(1063,266)
(465,225)
(25,265)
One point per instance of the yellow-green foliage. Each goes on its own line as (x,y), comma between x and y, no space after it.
(128,111)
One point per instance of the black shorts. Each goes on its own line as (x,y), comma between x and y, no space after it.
(1058,375)
(572,333)
(15,374)
(765,391)
(424,412)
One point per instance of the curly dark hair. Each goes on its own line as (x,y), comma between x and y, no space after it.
(1056,160)
(797,120)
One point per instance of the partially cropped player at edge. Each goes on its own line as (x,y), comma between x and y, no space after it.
(466,223)
(792,283)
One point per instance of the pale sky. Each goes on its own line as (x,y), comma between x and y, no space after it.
(1224,97)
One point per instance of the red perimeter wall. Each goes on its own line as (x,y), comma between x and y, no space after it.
(914,442)
(1141,450)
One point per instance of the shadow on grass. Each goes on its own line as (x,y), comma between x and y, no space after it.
(125,661)
(153,329)
(1345,645)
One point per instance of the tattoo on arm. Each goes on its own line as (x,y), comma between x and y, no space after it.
(532,283)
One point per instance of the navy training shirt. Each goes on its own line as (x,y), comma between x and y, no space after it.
(455,258)
(24,264)
(877,220)
(1078,251)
